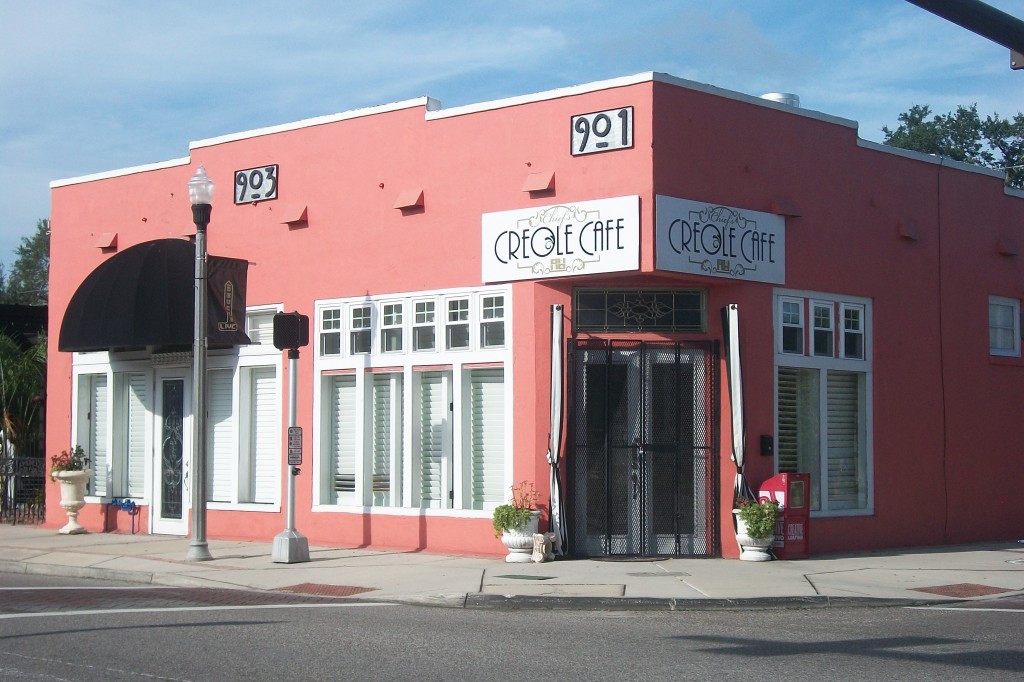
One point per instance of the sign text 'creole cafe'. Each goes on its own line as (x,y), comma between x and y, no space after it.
(720,241)
(583,238)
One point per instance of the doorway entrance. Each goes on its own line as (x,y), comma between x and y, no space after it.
(643,441)
(171,452)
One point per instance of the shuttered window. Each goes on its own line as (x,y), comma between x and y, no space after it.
(263,428)
(260,327)
(846,488)
(96,430)
(343,425)
(386,459)
(434,450)
(242,444)
(221,450)
(135,439)
(487,437)
(822,403)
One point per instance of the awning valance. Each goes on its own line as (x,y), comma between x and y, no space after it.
(144,297)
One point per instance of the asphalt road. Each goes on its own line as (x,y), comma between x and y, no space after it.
(61,629)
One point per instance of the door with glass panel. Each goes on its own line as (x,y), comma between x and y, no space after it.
(172,452)
(643,449)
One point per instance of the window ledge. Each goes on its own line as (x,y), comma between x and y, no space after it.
(1006,360)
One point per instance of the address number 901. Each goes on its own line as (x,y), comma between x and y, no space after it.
(602,131)
(256,184)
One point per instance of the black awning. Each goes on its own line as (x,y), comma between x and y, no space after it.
(144,297)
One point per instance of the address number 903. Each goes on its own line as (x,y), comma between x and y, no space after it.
(256,184)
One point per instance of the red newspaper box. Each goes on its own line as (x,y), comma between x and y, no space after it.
(792,530)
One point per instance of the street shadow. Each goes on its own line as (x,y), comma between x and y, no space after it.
(887,648)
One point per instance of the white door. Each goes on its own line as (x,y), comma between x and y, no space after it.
(171,452)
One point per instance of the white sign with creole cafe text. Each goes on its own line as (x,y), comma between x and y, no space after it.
(582,238)
(720,241)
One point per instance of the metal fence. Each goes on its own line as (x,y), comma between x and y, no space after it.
(23,485)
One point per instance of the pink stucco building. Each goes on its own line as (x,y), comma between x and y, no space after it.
(878,292)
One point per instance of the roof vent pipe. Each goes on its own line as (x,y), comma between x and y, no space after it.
(783,98)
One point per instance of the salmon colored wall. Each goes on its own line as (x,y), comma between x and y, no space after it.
(932,484)
(947,428)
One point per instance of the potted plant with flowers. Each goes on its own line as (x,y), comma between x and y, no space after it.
(515,522)
(70,469)
(755,528)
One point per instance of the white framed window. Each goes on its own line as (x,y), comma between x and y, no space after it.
(433,446)
(1004,326)
(424,329)
(418,422)
(392,332)
(259,326)
(492,323)
(342,437)
(243,434)
(360,329)
(387,426)
(791,324)
(457,323)
(330,331)
(486,443)
(853,331)
(823,399)
(824,329)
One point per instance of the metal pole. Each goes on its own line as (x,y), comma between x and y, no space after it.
(197,546)
(291,546)
(293,365)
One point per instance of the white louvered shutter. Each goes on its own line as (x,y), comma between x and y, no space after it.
(343,435)
(433,420)
(99,410)
(135,451)
(221,447)
(384,411)
(786,448)
(264,435)
(844,489)
(487,437)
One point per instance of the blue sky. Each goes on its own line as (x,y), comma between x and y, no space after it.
(94,85)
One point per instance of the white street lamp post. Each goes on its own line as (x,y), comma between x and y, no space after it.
(200,193)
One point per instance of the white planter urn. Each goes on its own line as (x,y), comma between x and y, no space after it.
(519,541)
(72,497)
(751,549)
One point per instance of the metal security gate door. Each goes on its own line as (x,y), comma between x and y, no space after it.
(643,441)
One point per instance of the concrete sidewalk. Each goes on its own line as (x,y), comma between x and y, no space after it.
(928,575)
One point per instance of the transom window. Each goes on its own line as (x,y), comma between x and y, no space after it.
(672,310)
(424,324)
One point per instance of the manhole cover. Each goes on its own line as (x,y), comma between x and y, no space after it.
(326,590)
(963,590)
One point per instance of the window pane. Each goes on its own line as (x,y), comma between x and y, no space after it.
(824,339)
(330,343)
(487,438)
(640,309)
(342,450)
(387,439)
(423,338)
(847,478)
(1003,332)
(220,427)
(853,332)
(792,328)
(799,447)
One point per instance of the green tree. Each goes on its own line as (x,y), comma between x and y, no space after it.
(28,281)
(22,379)
(962,135)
